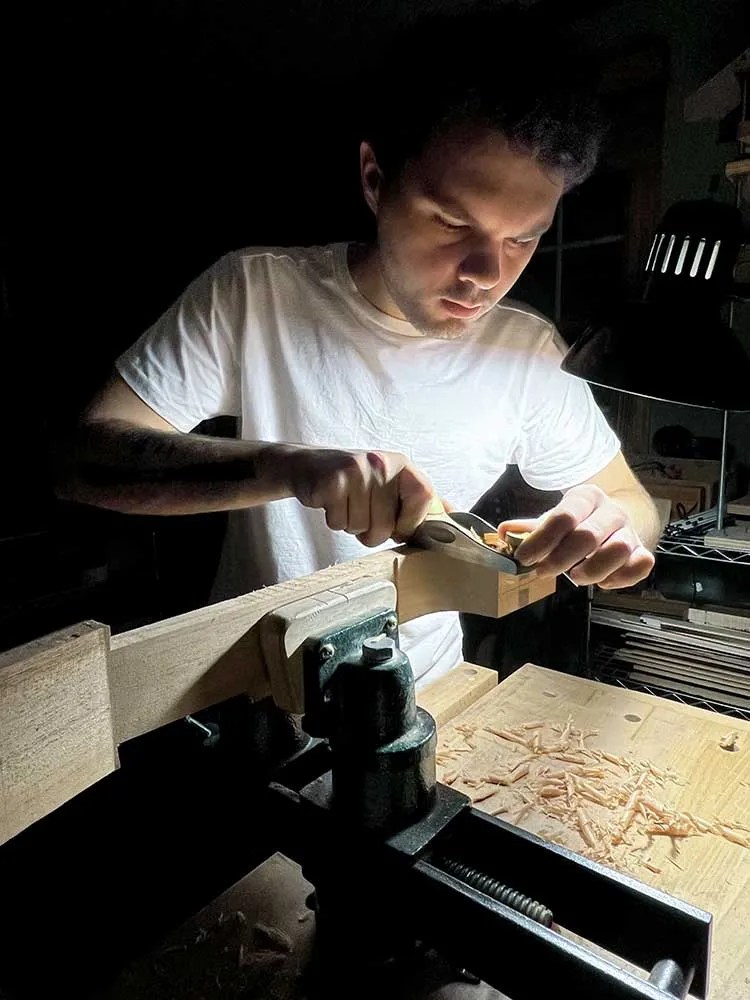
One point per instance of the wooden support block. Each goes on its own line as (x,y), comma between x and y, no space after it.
(738,168)
(55,723)
(450,694)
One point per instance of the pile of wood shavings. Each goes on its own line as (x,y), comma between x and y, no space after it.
(606,807)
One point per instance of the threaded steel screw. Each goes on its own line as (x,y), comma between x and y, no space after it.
(496,890)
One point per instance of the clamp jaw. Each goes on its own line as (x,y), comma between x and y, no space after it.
(358,692)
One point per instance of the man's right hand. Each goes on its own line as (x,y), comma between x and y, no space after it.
(126,457)
(375,495)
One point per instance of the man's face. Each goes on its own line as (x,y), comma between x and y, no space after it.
(458,227)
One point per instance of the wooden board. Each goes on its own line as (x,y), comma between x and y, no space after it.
(69,699)
(739,507)
(55,724)
(733,619)
(733,537)
(714,873)
(455,691)
(164,671)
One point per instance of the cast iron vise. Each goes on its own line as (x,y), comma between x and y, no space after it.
(400,861)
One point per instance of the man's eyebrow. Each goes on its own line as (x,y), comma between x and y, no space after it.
(452,207)
(539,230)
(455,209)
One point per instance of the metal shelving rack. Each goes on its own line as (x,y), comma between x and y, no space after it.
(693,547)
(685,540)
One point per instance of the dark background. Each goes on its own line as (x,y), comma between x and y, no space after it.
(145,140)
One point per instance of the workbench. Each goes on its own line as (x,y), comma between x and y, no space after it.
(539,745)
(258,935)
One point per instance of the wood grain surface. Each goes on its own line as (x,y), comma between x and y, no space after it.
(698,777)
(55,723)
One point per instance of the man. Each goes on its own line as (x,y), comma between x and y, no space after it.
(369,378)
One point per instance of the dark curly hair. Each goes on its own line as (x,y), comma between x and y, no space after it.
(499,70)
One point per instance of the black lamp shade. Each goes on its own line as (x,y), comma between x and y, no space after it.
(665,353)
(673,345)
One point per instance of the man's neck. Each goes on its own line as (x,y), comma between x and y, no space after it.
(364,267)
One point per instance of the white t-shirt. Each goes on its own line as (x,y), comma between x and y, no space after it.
(283,340)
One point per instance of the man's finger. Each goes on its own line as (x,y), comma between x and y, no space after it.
(386,465)
(358,510)
(636,569)
(519,526)
(383,514)
(337,515)
(574,508)
(589,537)
(611,556)
(415,495)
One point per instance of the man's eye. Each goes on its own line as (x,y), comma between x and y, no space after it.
(524,243)
(452,227)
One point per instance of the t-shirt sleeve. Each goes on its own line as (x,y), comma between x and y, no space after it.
(564,436)
(185,365)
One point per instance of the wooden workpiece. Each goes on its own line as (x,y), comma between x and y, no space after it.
(713,783)
(164,671)
(69,699)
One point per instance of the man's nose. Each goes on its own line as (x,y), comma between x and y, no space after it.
(482,268)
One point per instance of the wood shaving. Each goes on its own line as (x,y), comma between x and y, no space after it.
(727,832)
(730,741)
(480,794)
(497,810)
(611,808)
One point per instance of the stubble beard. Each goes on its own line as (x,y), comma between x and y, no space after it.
(407,303)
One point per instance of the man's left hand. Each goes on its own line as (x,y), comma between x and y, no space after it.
(588,536)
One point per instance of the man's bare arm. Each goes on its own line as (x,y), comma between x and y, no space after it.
(126,457)
(620,484)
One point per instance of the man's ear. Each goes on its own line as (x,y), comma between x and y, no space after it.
(371,176)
